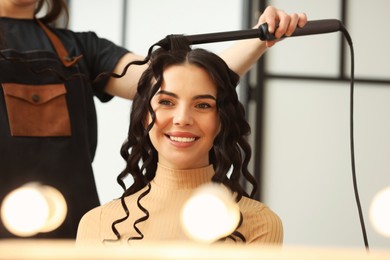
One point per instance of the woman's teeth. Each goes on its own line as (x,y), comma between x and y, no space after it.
(182,139)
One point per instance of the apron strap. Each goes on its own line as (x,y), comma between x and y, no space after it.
(59,47)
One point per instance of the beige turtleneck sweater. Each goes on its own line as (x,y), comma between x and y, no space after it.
(169,191)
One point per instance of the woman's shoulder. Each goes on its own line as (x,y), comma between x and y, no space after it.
(98,211)
(255,208)
(251,204)
(260,223)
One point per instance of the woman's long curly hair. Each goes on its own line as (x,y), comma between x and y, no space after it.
(231,152)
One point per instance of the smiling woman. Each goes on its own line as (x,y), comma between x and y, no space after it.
(192,132)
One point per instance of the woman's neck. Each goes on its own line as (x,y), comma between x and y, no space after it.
(8,9)
(182,179)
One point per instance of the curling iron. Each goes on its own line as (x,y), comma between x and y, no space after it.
(311,27)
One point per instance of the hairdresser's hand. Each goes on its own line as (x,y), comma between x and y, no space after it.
(285,23)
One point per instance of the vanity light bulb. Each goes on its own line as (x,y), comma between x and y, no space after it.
(33,208)
(380,212)
(210,214)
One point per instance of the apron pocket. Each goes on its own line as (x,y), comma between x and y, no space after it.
(37,110)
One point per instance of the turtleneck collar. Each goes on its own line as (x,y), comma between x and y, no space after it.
(182,179)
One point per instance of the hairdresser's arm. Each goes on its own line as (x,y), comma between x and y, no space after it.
(240,56)
(126,86)
(244,53)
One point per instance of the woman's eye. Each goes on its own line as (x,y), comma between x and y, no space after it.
(165,102)
(203,105)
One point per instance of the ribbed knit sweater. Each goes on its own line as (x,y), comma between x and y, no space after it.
(170,189)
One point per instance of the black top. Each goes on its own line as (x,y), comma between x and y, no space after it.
(48,126)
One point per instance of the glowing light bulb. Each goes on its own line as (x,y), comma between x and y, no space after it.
(33,208)
(210,214)
(380,212)
(57,208)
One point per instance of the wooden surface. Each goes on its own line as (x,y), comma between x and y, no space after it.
(48,249)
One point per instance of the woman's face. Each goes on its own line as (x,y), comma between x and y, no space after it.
(186,117)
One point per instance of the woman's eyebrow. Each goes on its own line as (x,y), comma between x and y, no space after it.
(164,92)
(204,96)
(207,96)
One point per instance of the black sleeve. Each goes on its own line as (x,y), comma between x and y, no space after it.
(99,55)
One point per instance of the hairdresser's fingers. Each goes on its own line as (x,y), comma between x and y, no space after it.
(297,20)
(274,17)
(270,17)
(302,20)
(290,27)
(282,25)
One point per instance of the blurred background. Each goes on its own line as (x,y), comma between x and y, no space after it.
(297,99)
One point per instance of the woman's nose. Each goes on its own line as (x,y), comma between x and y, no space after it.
(183,116)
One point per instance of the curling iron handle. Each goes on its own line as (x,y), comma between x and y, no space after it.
(311,27)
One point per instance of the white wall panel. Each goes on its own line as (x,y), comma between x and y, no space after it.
(152,20)
(369,21)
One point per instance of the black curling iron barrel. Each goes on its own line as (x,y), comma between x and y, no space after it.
(311,27)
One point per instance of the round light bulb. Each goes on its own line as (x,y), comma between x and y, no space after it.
(33,208)
(24,211)
(57,208)
(380,212)
(210,214)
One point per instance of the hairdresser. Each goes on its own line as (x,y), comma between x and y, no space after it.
(48,126)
